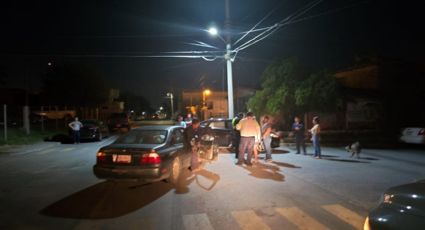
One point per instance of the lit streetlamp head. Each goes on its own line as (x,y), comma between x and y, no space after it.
(213,31)
(207,92)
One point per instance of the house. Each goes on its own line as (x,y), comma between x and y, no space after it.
(215,104)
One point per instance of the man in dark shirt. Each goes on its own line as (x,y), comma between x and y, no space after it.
(298,129)
(236,134)
(192,136)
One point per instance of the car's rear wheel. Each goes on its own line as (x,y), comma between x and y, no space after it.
(175,171)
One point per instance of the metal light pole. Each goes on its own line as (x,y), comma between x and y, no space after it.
(170,95)
(229,81)
(229,60)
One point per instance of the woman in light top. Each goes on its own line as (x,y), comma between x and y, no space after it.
(315,137)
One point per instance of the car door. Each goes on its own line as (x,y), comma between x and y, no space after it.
(177,141)
(221,132)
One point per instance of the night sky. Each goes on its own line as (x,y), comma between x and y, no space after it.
(109,34)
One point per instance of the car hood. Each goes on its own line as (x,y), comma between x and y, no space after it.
(407,198)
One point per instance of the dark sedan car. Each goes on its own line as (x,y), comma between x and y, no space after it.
(119,121)
(146,154)
(92,130)
(221,129)
(402,207)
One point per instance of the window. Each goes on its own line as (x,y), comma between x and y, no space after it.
(178,136)
(143,137)
(217,124)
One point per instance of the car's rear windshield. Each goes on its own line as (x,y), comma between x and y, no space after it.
(143,137)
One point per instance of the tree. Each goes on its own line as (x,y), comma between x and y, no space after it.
(287,91)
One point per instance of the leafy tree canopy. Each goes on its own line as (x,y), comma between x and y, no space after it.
(287,90)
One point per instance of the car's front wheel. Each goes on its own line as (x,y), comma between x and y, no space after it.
(175,171)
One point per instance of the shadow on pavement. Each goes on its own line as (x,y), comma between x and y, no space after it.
(265,171)
(206,179)
(279,151)
(323,155)
(369,158)
(347,160)
(112,199)
(203,178)
(107,200)
(286,165)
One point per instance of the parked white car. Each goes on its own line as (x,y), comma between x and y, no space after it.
(413,135)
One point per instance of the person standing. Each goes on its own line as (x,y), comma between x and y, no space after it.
(315,137)
(298,129)
(236,134)
(180,121)
(192,136)
(188,119)
(266,130)
(76,125)
(250,133)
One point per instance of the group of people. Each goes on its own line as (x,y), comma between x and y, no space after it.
(248,135)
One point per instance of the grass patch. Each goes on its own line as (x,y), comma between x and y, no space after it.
(18,136)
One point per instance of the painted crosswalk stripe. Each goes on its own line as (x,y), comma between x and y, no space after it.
(248,220)
(67,149)
(346,215)
(197,221)
(299,218)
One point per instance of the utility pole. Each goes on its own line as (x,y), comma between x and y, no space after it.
(229,61)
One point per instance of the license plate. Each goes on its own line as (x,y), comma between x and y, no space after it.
(116,158)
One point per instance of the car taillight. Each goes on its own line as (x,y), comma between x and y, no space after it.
(150,158)
(101,157)
(421,132)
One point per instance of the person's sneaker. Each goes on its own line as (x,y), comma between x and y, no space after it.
(297,153)
(238,163)
(269,160)
(248,164)
(318,157)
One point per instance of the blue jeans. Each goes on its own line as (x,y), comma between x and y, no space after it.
(316,145)
(246,144)
(267,145)
(76,136)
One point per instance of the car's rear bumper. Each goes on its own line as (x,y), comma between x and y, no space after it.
(130,173)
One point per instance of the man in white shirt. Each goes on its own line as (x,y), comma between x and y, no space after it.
(76,125)
(250,134)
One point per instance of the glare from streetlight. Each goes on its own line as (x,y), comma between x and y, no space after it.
(207,92)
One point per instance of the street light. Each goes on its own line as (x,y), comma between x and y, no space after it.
(205,93)
(214,32)
(170,95)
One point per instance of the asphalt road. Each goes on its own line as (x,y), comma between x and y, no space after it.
(51,186)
